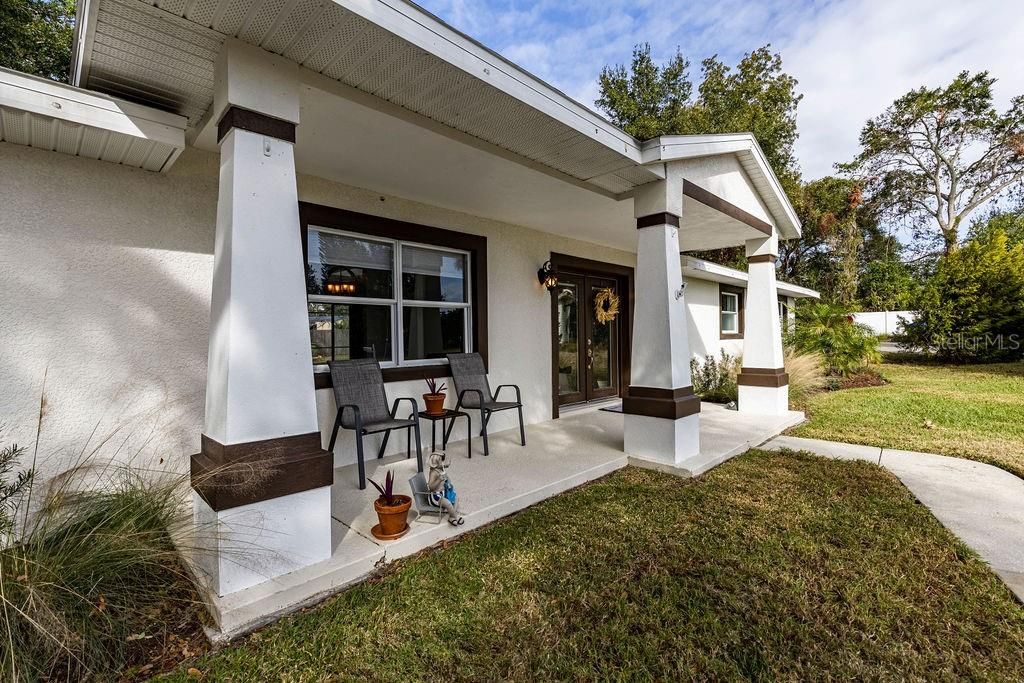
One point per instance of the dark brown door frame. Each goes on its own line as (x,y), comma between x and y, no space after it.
(624,276)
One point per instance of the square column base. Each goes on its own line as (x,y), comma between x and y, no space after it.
(249,544)
(662,440)
(763,400)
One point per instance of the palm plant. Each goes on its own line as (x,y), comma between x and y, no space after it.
(830,330)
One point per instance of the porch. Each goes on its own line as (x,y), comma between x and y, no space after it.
(561,454)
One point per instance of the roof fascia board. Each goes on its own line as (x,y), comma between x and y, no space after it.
(81,50)
(708,270)
(64,102)
(429,33)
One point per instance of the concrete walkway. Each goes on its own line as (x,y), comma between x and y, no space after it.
(983,505)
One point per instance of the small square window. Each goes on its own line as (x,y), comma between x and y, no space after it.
(432,333)
(349,331)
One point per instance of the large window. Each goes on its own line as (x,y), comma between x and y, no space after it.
(401,302)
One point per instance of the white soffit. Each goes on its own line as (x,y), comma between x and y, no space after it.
(748,152)
(707,270)
(60,118)
(162,52)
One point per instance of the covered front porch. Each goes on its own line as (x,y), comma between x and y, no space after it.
(561,454)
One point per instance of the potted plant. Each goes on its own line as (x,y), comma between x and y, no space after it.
(434,398)
(392,510)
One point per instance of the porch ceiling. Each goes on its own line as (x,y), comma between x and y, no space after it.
(162,52)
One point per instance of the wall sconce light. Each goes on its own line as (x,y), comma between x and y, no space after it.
(547,277)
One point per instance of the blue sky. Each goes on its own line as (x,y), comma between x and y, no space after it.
(852,57)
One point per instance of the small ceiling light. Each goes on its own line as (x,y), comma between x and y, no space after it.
(547,277)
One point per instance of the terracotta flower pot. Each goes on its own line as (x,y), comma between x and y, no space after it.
(435,403)
(392,518)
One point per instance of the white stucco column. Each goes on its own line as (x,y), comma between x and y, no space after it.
(262,481)
(763,382)
(662,415)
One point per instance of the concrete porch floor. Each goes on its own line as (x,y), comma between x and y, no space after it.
(560,454)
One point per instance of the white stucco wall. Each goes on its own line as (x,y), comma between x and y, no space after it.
(105,273)
(104,288)
(703,307)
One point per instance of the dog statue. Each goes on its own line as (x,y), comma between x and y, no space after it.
(440,489)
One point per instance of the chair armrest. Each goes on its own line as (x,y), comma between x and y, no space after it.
(519,395)
(415,405)
(355,409)
(463,393)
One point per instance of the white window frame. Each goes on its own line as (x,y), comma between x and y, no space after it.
(398,302)
(735,314)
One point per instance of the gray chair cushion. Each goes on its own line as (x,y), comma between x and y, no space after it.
(374,427)
(468,372)
(360,382)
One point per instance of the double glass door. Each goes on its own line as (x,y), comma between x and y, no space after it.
(588,366)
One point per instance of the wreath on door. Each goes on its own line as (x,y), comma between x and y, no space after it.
(606,305)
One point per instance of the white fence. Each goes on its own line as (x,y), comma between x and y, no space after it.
(884,322)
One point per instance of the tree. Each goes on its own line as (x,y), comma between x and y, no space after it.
(886,285)
(937,154)
(827,256)
(36,35)
(1010,221)
(647,100)
(972,308)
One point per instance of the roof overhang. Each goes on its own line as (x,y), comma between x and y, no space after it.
(162,53)
(706,270)
(40,113)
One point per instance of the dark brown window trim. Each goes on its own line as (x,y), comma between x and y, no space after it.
(624,274)
(740,304)
(698,193)
(377,226)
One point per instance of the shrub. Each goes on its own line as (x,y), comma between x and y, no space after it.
(829,329)
(806,374)
(715,379)
(972,308)
(84,572)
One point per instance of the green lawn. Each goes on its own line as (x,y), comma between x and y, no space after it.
(774,565)
(977,412)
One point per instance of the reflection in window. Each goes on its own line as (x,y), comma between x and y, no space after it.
(433,275)
(349,331)
(433,332)
(339,265)
(730,318)
(431,309)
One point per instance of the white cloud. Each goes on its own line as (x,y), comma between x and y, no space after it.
(852,57)
(858,56)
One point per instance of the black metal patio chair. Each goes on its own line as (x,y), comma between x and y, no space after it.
(363,408)
(474,391)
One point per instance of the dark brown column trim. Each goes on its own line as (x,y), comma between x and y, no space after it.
(255,122)
(239,474)
(657,219)
(763,258)
(698,193)
(763,377)
(669,404)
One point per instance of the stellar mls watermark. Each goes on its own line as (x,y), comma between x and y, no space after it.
(986,342)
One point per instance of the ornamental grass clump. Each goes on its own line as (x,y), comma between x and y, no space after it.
(84,563)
